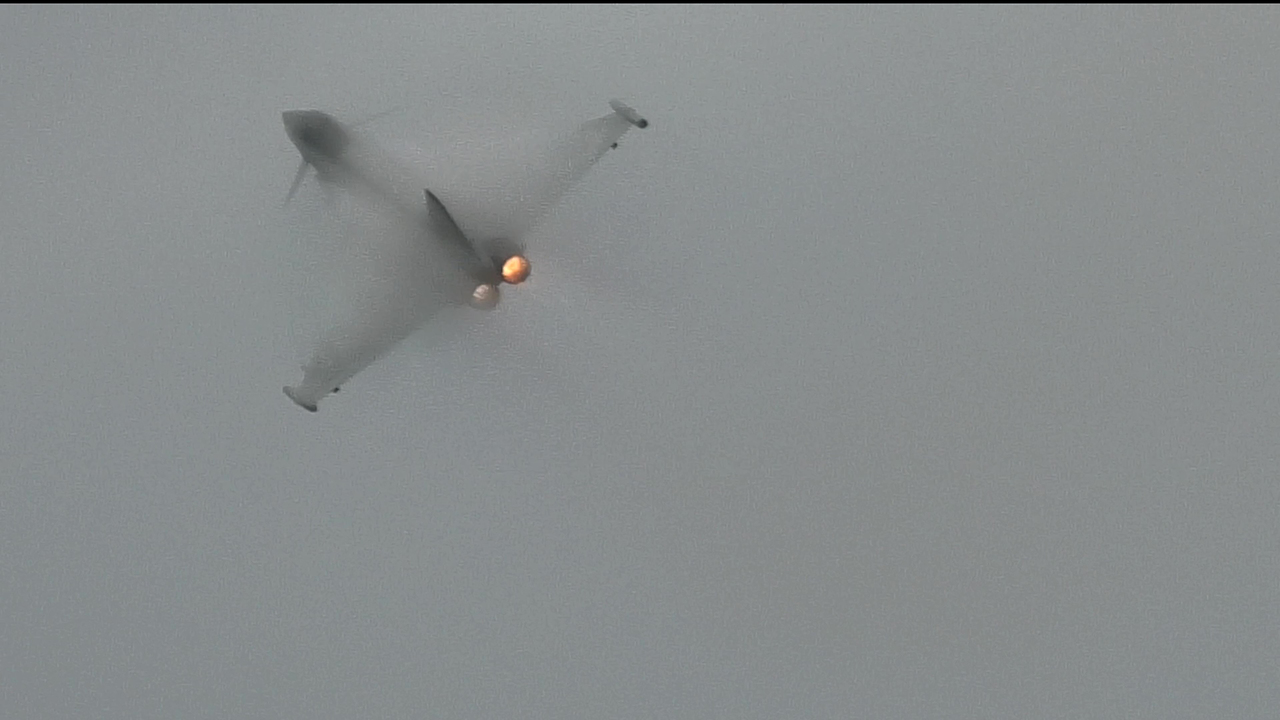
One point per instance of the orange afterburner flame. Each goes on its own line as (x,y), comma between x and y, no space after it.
(515,270)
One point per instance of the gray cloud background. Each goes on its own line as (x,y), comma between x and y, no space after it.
(932,373)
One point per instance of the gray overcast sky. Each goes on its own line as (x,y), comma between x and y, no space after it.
(931,372)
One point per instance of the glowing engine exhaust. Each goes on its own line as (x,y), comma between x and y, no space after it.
(516,269)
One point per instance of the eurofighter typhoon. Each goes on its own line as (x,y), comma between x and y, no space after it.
(438,264)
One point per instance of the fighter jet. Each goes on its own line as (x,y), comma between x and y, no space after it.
(433,261)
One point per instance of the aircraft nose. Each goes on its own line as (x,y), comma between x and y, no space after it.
(292,119)
(298,126)
(316,134)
